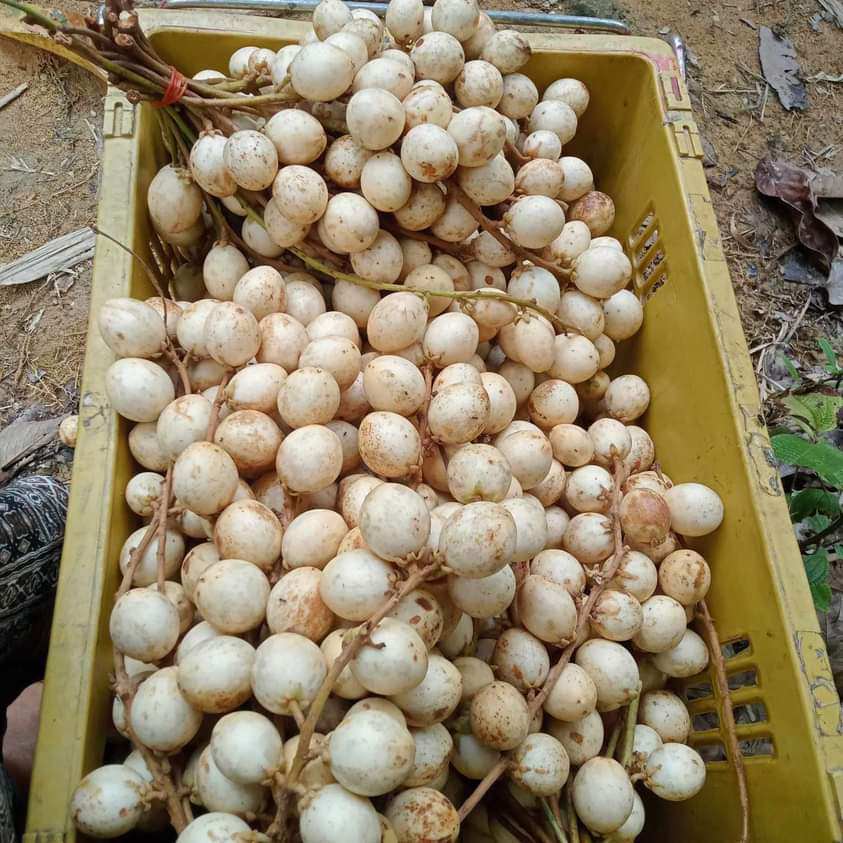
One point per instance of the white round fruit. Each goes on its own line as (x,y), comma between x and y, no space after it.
(394,521)
(214,675)
(109,801)
(288,668)
(613,670)
(479,133)
(371,753)
(231,594)
(602,794)
(429,153)
(138,389)
(394,662)
(161,716)
(507,50)
(334,813)
(355,584)
(321,72)
(540,765)
(310,458)
(389,444)
(375,118)
(674,772)
(437,56)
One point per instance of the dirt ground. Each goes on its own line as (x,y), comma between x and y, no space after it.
(50,144)
(741,121)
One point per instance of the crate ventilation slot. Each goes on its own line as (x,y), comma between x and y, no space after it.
(699,691)
(755,712)
(646,251)
(743,679)
(752,748)
(706,722)
(736,647)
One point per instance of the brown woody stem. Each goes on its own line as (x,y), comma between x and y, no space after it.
(163,508)
(355,641)
(629,732)
(609,569)
(494,229)
(727,715)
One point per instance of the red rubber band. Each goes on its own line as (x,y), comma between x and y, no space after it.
(175,90)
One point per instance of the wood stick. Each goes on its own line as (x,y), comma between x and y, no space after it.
(174,358)
(455,295)
(553,820)
(13,94)
(614,737)
(573,825)
(427,371)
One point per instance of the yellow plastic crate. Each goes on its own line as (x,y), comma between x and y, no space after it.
(639,136)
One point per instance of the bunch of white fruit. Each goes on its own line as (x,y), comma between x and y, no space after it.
(358,436)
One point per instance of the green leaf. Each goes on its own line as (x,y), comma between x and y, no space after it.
(821,594)
(808,501)
(818,523)
(824,459)
(816,569)
(833,367)
(823,409)
(816,566)
(838,549)
(817,409)
(799,411)
(790,368)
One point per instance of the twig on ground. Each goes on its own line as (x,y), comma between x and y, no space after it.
(13,94)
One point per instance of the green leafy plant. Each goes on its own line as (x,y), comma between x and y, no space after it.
(814,409)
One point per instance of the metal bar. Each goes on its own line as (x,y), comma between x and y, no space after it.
(515,18)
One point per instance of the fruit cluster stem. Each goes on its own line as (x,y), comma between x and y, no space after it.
(353,644)
(608,571)
(727,715)
(125,687)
